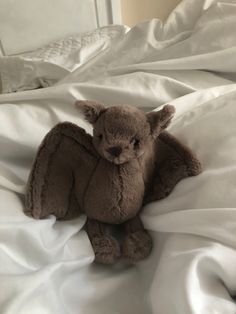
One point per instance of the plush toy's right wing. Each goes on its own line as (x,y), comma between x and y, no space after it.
(64,162)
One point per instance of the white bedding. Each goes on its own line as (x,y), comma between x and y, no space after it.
(45,66)
(46,266)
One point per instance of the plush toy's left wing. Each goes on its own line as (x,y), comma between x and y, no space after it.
(174,162)
(64,163)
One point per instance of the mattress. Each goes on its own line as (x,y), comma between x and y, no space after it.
(47,265)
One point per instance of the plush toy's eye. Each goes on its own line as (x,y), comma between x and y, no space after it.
(99,137)
(135,142)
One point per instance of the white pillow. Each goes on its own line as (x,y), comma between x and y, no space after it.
(47,65)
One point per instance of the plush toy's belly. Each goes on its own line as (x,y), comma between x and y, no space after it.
(115,193)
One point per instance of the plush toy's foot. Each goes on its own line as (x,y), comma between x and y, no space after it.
(137,243)
(106,249)
(137,246)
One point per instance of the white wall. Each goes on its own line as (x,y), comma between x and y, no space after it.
(134,11)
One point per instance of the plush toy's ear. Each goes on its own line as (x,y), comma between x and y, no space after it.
(90,109)
(159,120)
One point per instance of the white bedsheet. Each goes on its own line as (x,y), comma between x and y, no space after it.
(46,266)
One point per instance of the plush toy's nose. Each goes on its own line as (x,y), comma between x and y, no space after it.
(115,151)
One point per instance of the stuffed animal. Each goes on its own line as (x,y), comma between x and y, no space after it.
(129,161)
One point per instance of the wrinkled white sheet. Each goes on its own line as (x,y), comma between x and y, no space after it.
(45,66)
(46,266)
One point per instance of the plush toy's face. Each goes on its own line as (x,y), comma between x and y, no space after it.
(122,133)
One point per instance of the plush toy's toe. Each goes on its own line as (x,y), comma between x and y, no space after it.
(106,249)
(137,246)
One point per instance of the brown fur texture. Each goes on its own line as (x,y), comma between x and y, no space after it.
(129,161)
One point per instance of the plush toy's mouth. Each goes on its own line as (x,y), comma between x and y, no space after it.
(119,162)
(115,160)
(121,159)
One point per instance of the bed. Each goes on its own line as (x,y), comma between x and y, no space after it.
(189,62)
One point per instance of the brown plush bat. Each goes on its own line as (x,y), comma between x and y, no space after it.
(129,161)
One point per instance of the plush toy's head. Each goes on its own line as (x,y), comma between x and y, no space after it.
(121,133)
